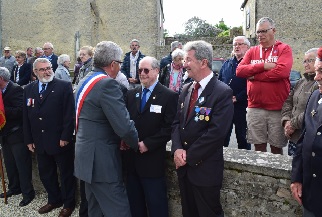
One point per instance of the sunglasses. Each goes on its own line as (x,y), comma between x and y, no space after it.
(145,70)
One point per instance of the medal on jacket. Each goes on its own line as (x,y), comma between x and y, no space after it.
(313,112)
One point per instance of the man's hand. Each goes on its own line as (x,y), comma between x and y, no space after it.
(234,99)
(296,189)
(124,146)
(288,129)
(180,157)
(31,147)
(269,66)
(63,143)
(142,147)
(132,80)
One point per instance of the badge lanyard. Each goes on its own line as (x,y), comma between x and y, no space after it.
(261,53)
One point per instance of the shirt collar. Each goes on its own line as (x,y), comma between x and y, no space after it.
(4,89)
(151,88)
(203,83)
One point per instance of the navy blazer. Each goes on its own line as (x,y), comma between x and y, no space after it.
(24,74)
(48,120)
(203,133)
(154,129)
(12,100)
(227,75)
(307,162)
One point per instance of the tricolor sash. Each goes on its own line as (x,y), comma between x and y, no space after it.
(84,90)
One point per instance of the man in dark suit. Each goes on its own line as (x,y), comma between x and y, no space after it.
(21,72)
(205,111)
(306,166)
(152,106)
(48,123)
(48,49)
(17,157)
(102,120)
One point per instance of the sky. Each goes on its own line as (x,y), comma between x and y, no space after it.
(177,12)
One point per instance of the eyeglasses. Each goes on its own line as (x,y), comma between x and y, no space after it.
(238,44)
(120,62)
(263,31)
(308,61)
(17,57)
(44,69)
(46,48)
(7,51)
(146,71)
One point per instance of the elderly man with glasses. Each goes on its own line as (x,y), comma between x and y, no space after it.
(48,126)
(267,69)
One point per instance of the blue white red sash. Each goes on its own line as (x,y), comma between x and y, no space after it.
(84,90)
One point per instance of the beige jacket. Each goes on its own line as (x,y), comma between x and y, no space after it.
(294,106)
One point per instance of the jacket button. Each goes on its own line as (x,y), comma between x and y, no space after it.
(183,128)
(318,133)
(314,175)
(42,131)
(40,119)
(185,143)
(313,154)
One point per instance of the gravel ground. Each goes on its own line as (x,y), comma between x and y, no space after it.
(12,209)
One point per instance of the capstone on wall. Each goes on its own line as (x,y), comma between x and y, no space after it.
(297,24)
(31,23)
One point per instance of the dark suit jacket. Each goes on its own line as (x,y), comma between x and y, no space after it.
(154,129)
(24,74)
(306,165)
(53,61)
(203,140)
(51,119)
(12,100)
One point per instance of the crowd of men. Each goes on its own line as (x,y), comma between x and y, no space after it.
(111,129)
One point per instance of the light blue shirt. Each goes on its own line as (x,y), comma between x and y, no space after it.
(151,88)
(39,86)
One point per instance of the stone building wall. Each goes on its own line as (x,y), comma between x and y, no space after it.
(31,23)
(296,24)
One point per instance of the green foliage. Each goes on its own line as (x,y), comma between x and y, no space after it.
(165,33)
(222,25)
(224,33)
(196,27)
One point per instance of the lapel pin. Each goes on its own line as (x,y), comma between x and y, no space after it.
(201,100)
(313,112)
(137,95)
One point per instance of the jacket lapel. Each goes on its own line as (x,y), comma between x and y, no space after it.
(153,97)
(202,99)
(49,89)
(138,94)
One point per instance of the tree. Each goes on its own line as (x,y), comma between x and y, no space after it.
(196,27)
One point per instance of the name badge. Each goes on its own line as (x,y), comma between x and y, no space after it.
(155,108)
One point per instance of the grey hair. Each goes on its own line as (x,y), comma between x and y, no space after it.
(246,41)
(203,50)
(105,53)
(5,74)
(312,50)
(175,44)
(266,19)
(135,40)
(38,49)
(155,64)
(63,58)
(40,60)
(177,52)
(50,45)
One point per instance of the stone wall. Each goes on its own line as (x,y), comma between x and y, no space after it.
(255,184)
(27,23)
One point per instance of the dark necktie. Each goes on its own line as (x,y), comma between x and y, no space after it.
(193,98)
(43,86)
(143,100)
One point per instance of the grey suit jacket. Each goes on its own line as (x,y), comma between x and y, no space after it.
(103,122)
